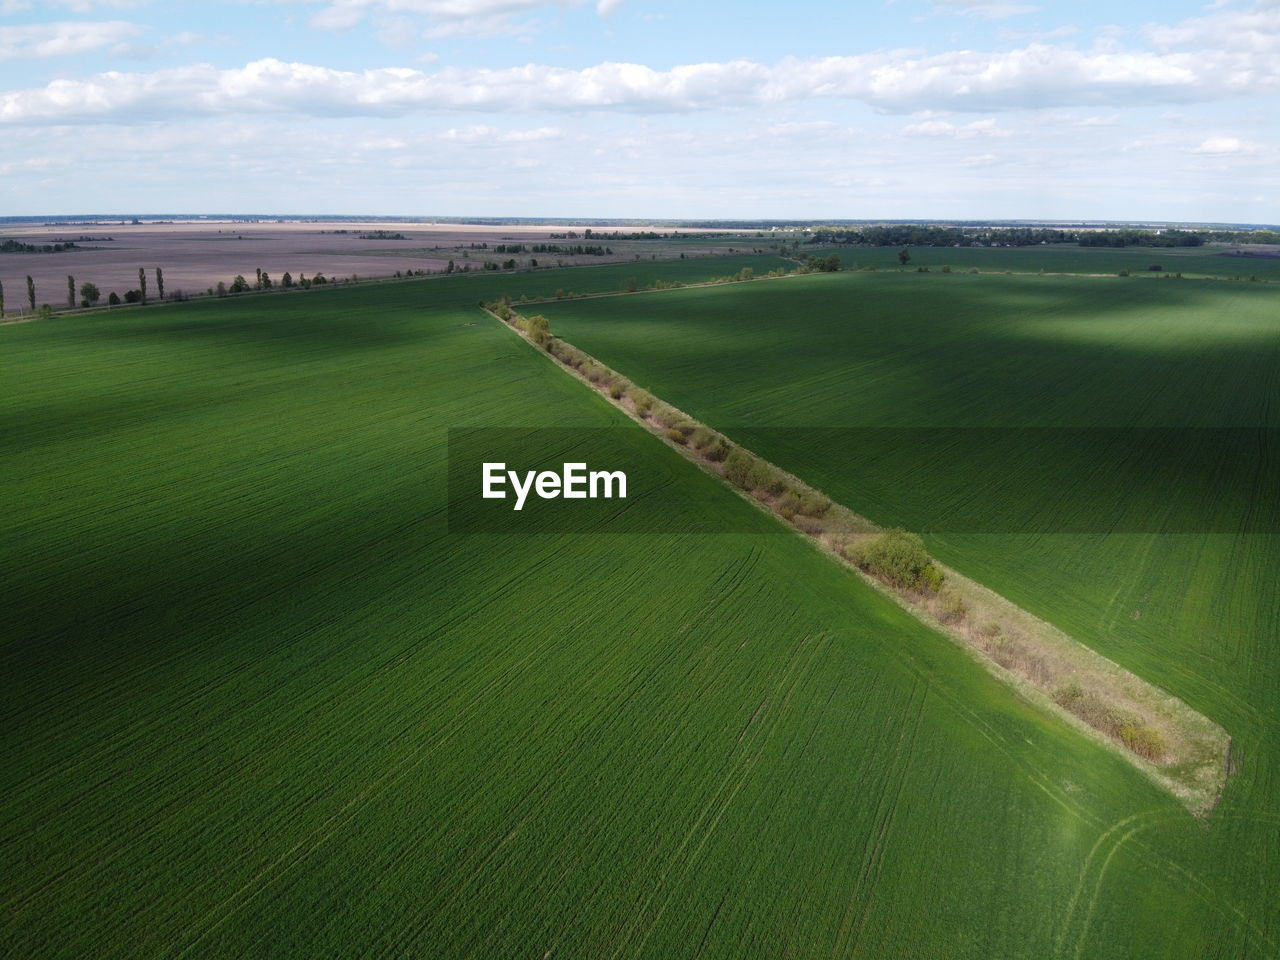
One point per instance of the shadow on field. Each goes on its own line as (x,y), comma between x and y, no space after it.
(300,324)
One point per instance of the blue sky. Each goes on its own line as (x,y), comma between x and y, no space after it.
(634,108)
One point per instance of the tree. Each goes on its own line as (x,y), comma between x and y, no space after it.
(221,289)
(899,558)
(142,286)
(113,300)
(287,279)
(133,296)
(71,291)
(89,294)
(259,284)
(159,283)
(1,299)
(539,328)
(31,293)
(904,256)
(264,282)
(239,284)
(449,268)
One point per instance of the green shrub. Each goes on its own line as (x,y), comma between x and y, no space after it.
(931,580)
(764,478)
(702,438)
(737,467)
(718,451)
(1123,273)
(643,402)
(1143,740)
(814,505)
(789,505)
(539,328)
(616,390)
(895,556)
(946,269)
(676,436)
(665,415)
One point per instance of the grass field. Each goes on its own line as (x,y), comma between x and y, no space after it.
(259,702)
(1211,261)
(787,367)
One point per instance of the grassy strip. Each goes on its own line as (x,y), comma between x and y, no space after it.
(1177,747)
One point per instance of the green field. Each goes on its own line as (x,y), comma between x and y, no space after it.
(1196,612)
(1216,260)
(259,702)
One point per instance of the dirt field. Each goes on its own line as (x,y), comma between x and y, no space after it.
(196,255)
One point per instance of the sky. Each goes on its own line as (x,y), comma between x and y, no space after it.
(893,109)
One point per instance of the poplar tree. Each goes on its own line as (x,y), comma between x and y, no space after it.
(71,291)
(1,298)
(159,283)
(142,283)
(31,292)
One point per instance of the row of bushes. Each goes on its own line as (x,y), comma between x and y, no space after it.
(1122,725)
(895,557)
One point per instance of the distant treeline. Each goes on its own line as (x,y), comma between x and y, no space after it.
(17,246)
(590,234)
(574,249)
(918,235)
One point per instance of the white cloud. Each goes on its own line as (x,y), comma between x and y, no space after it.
(944,128)
(1256,31)
(1239,56)
(607,7)
(66,38)
(1225,145)
(1036,76)
(483,134)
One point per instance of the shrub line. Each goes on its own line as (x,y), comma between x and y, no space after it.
(1175,746)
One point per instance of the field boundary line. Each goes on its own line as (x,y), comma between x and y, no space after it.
(1196,771)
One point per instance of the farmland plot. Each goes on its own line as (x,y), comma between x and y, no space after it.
(1174,571)
(258,699)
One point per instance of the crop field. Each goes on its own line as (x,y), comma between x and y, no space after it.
(1221,261)
(196,256)
(257,698)
(1169,565)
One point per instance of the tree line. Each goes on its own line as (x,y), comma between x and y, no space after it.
(17,246)
(921,235)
